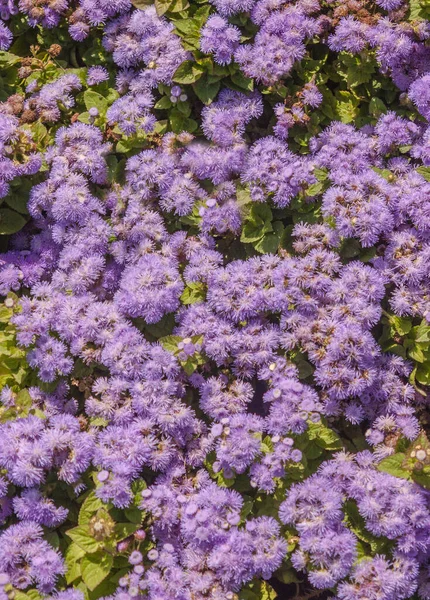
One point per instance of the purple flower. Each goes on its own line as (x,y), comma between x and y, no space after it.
(28,559)
(419,94)
(97,75)
(33,506)
(49,357)
(224,121)
(135,557)
(350,36)
(5,37)
(231,7)
(389,4)
(220,39)
(271,169)
(150,288)
(278,44)
(311,96)
(51,96)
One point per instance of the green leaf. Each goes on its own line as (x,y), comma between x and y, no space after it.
(201,14)
(162,328)
(98,422)
(422,333)
(178,6)
(111,95)
(321,174)
(141,4)
(188,72)
(191,125)
(191,364)
(194,292)
(90,506)
(347,106)
(7,59)
(170,343)
(85,117)
(366,254)
(72,559)
(20,595)
(53,539)
(113,167)
(423,374)
(360,68)
(162,7)
(324,436)
(137,487)
(424,172)
(314,189)
(243,195)
(124,530)
(257,224)
(419,10)
(251,233)
(260,590)
(377,107)
(224,481)
(363,550)
(269,244)
(304,367)
(416,354)
(422,479)
(267,592)
(260,212)
(18,202)
(82,537)
(401,325)
(10,221)
(328,105)
(134,515)
(93,99)
(395,349)
(5,313)
(393,465)
(205,91)
(186,27)
(385,173)
(125,145)
(39,131)
(95,568)
(243,82)
(180,122)
(23,399)
(164,103)
(286,575)
(313,451)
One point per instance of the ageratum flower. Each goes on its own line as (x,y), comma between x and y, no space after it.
(220,39)
(28,559)
(185,336)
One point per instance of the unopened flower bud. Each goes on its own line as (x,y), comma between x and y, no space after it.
(140,535)
(54,50)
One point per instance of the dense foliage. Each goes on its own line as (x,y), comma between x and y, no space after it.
(215,317)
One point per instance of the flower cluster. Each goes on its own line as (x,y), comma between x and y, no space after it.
(28,559)
(17,152)
(141,37)
(348,489)
(223,296)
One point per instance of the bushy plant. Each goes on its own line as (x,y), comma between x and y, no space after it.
(215,318)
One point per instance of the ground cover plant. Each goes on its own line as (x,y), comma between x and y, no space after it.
(215,299)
